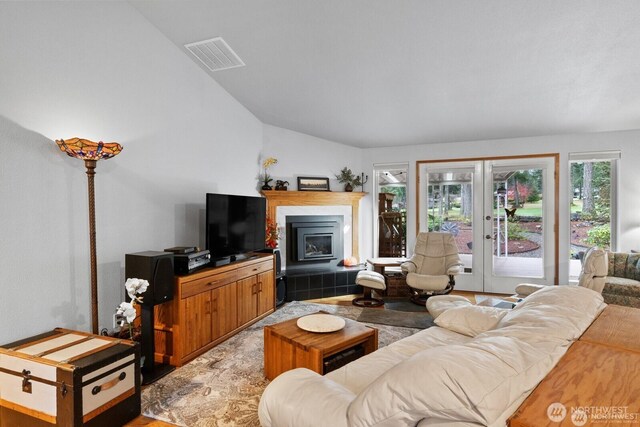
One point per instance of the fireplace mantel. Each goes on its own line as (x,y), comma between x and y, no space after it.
(319,198)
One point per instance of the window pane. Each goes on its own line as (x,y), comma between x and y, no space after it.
(392,212)
(450,209)
(518,222)
(590,209)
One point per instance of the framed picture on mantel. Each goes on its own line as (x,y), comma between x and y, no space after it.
(306,183)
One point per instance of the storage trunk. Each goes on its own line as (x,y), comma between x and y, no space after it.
(69,378)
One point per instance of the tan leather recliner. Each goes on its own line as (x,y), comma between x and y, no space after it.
(433,266)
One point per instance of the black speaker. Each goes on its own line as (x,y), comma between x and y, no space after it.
(157,269)
(281,290)
(278,256)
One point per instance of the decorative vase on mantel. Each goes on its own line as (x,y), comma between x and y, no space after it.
(348,188)
(266,187)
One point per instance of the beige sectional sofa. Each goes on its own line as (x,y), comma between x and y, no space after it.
(438,377)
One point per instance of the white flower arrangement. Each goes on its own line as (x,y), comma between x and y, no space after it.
(135,287)
(126,311)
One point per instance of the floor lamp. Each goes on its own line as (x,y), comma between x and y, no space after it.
(91,152)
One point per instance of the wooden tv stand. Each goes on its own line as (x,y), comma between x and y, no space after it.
(212,305)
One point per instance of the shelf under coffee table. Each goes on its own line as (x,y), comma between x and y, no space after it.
(286,347)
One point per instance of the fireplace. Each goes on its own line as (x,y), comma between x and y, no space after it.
(319,278)
(314,242)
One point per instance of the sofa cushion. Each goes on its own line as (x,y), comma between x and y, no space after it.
(470,320)
(438,304)
(558,312)
(626,300)
(622,286)
(471,382)
(623,264)
(357,375)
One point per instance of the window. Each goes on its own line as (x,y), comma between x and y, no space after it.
(391,210)
(593,204)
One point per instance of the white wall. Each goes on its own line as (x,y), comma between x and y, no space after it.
(629,190)
(98,70)
(299,154)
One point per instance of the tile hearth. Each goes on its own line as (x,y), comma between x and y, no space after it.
(322,284)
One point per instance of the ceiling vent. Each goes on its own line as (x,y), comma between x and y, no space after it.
(215,54)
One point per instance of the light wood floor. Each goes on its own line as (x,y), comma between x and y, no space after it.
(340,300)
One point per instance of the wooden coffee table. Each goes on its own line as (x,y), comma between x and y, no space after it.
(286,347)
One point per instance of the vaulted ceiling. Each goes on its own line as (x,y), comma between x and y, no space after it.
(372,73)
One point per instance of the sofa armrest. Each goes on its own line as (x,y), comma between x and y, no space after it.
(408,267)
(455,270)
(301,398)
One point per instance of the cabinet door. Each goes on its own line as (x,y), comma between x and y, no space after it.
(266,292)
(197,325)
(224,309)
(247,299)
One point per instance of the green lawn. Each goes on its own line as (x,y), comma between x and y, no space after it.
(576,206)
(529,209)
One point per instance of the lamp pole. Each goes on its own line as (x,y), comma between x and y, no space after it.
(91,172)
(91,152)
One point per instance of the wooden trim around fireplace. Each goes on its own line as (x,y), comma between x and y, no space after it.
(311,198)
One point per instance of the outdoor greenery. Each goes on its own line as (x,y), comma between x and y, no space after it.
(526,186)
(600,235)
(515,231)
(591,183)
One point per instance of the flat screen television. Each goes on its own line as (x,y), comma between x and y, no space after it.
(235,225)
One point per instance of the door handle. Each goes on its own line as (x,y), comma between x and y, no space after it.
(488,237)
(488,217)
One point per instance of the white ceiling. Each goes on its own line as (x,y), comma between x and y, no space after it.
(372,73)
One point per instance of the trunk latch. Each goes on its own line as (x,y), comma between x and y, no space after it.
(26,381)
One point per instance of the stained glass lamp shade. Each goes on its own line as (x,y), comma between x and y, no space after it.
(91,152)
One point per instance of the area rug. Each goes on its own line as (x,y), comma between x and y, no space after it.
(402,304)
(223,386)
(420,320)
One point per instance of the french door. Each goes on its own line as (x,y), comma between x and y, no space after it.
(502,213)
